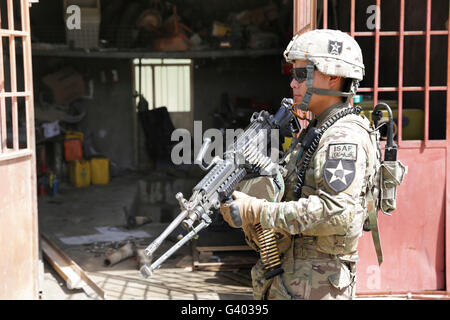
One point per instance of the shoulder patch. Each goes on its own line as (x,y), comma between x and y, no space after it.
(346,151)
(339,169)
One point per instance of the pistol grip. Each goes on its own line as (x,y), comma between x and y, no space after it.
(235,215)
(234,212)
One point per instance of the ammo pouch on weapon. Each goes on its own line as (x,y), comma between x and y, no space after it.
(391,176)
(270,188)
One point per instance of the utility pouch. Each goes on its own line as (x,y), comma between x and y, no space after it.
(392,175)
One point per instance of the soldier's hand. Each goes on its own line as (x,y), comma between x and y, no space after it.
(241,210)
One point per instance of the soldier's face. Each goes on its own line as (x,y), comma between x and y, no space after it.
(320,81)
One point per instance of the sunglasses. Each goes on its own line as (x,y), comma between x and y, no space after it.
(299,74)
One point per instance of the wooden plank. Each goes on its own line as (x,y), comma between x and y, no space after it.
(71,272)
(224,265)
(218,266)
(225,248)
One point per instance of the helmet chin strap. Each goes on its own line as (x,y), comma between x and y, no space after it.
(309,86)
(310,90)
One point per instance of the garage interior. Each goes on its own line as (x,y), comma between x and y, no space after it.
(126,80)
(110,88)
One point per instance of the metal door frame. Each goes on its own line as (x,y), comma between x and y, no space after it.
(16,157)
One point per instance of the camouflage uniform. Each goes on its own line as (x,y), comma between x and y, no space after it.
(321,229)
(326,222)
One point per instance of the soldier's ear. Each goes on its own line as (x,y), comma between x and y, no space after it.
(336,83)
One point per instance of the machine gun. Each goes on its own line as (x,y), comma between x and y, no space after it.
(242,157)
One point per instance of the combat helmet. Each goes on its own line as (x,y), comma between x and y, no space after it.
(333,53)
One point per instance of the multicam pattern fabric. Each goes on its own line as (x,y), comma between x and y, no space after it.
(263,187)
(271,189)
(320,263)
(318,279)
(333,52)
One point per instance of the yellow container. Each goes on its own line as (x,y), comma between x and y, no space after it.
(368,104)
(99,170)
(412,122)
(220,29)
(287,143)
(80,173)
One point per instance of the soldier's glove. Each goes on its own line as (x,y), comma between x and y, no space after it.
(241,210)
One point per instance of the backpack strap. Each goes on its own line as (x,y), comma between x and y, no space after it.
(373,226)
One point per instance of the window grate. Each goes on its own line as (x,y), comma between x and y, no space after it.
(375,89)
(165,82)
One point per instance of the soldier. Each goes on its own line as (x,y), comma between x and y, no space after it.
(328,176)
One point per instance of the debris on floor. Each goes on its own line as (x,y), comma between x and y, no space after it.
(89,226)
(105,234)
(71,272)
(122,253)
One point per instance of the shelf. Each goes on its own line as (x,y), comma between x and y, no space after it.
(132,54)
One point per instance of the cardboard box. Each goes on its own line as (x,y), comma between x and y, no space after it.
(65,85)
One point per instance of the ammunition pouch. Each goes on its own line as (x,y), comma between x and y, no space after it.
(392,175)
(382,196)
(270,188)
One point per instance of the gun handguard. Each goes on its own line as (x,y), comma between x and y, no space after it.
(219,183)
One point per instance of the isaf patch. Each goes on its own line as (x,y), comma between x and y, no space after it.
(339,170)
(346,151)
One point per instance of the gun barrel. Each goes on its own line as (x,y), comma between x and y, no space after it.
(158,241)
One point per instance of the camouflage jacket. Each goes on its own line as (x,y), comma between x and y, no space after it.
(331,209)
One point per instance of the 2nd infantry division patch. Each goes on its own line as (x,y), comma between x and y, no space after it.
(339,169)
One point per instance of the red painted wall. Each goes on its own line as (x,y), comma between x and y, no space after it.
(412,238)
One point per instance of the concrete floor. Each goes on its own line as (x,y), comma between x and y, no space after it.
(165,284)
(86,222)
